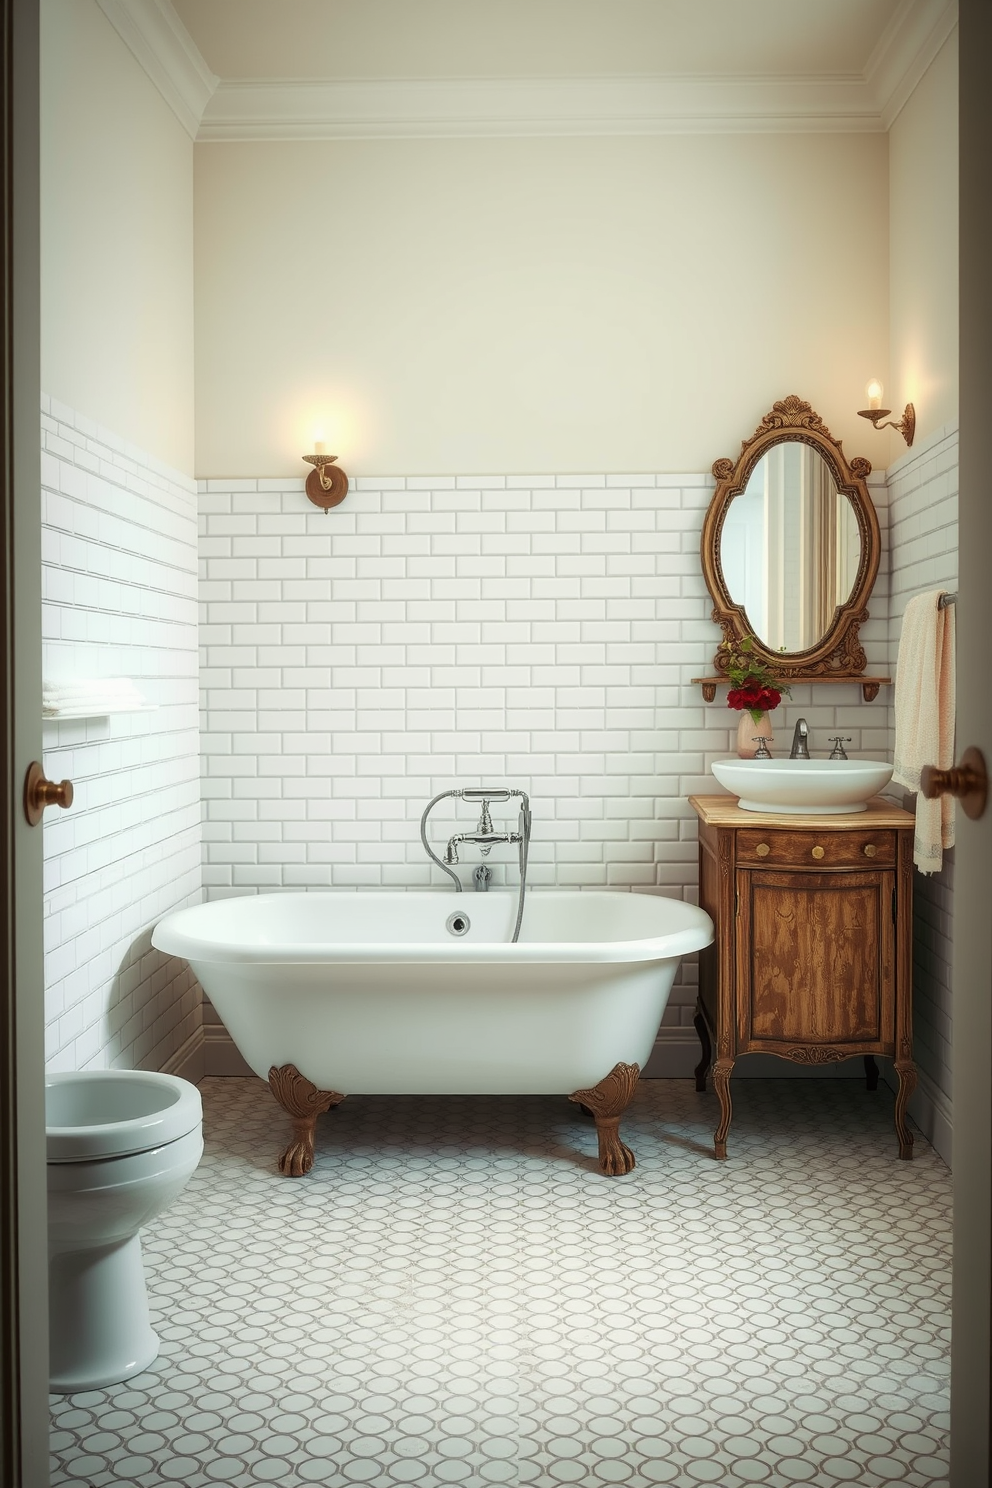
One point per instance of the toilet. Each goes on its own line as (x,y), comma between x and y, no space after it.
(122,1144)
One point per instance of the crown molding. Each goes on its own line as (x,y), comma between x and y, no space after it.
(156,36)
(381,109)
(906,49)
(214,110)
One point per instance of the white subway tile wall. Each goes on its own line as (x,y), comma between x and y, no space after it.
(534,631)
(119,600)
(923,496)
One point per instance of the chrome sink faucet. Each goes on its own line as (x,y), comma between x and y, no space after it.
(800,746)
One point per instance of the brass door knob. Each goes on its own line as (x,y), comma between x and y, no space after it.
(817,852)
(968,781)
(762,849)
(39,793)
(870,849)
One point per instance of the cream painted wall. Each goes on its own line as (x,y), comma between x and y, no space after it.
(452,306)
(530,38)
(116,238)
(923,264)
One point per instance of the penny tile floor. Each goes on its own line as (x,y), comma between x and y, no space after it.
(456,1295)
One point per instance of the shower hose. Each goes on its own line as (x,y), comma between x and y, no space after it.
(523,846)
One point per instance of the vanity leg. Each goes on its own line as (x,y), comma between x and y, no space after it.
(871,1072)
(607,1101)
(301,1099)
(906,1070)
(721,1084)
(702,1068)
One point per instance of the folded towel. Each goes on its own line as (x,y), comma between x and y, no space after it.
(90,696)
(89,687)
(925,719)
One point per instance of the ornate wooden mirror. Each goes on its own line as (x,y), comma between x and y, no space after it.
(790,550)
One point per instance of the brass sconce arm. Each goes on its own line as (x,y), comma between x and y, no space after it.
(327,484)
(906,425)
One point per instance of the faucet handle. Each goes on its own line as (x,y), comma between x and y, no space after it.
(838,741)
(485,820)
(762,751)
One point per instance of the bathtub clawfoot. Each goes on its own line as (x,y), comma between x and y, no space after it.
(607,1101)
(304,1103)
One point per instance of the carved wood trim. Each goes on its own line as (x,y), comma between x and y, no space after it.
(815,1054)
(839,654)
(607,1101)
(301,1099)
(906,1070)
(725,918)
(722,1071)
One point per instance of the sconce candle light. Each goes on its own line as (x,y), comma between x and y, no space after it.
(327,484)
(875,412)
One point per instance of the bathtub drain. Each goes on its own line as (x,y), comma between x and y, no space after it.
(458,924)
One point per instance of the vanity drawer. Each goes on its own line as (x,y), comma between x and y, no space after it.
(787,849)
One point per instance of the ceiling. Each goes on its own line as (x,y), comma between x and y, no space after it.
(366,69)
(280,39)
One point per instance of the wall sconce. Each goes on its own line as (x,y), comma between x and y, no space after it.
(875,412)
(327,484)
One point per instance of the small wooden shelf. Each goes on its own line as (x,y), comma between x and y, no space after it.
(869,685)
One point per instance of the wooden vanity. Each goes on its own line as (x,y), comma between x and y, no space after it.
(812,958)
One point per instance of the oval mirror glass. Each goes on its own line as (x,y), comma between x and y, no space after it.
(790,548)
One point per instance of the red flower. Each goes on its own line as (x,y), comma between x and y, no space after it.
(756,696)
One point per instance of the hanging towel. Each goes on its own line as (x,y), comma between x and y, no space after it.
(925,719)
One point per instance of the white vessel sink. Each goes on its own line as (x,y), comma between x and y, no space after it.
(819,787)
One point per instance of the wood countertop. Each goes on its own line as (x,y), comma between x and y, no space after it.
(723,811)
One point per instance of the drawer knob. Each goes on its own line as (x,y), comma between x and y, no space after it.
(762,849)
(818,852)
(870,849)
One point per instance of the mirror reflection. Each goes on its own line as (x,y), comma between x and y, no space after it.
(790,548)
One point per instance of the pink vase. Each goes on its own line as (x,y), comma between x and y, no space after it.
(748,732)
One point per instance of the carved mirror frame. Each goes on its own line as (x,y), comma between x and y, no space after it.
(838,654)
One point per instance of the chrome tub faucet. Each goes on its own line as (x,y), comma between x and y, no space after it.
(484,838)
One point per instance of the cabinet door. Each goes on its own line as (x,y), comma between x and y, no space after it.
(815,962)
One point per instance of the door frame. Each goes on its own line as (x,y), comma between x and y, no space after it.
(971,1345)
(23,1219)
(23,1281)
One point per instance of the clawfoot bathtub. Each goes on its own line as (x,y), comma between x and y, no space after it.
(329,994)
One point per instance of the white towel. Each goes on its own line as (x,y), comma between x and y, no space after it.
(82,696)
(925,719)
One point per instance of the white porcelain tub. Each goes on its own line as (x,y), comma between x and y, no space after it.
(371,993)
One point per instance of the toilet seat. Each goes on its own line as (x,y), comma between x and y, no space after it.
(118,1113)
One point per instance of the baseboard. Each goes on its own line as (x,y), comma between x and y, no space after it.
(187,1061)
(674,1056)
(930,1110)
(221,1055)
